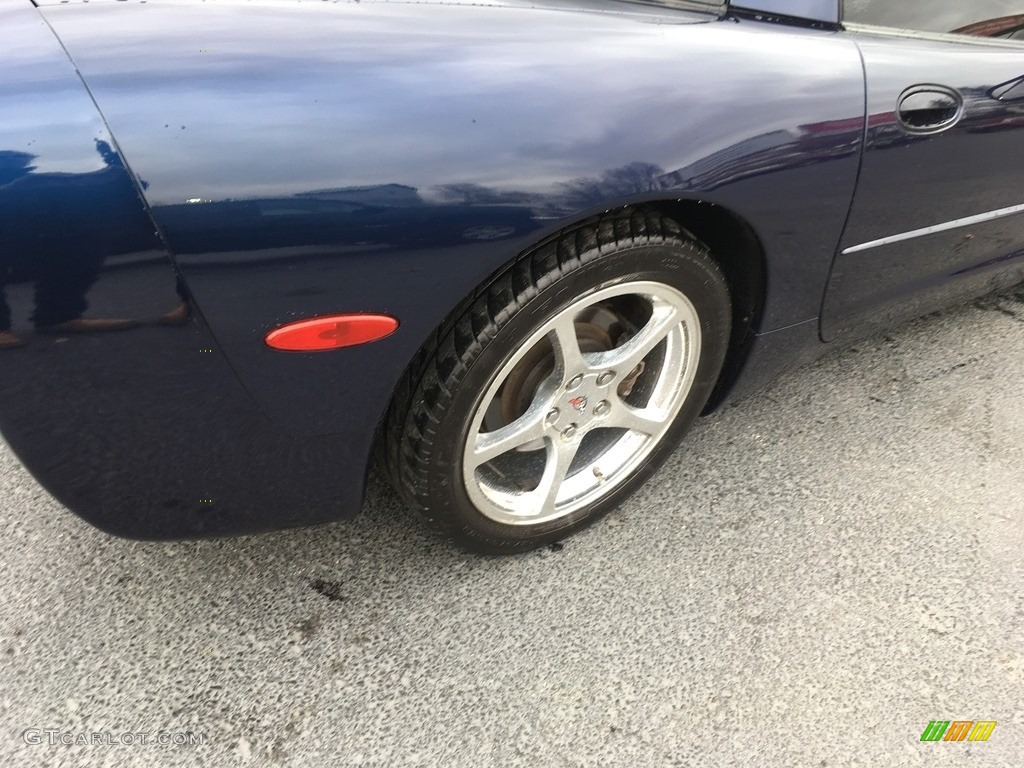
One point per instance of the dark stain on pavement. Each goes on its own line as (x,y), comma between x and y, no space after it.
(329,589)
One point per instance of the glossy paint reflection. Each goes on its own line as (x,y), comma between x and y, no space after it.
(65,196)
(321,158)
(145,432)
(62,260)
(912,183)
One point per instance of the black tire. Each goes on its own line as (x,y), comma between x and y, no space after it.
(428,422)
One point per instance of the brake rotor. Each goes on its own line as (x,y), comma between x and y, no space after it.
(538,364)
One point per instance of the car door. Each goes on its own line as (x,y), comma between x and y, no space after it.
(938,214)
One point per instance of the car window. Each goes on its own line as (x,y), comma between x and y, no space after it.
(980,18)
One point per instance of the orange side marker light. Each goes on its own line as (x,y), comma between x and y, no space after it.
(316,334)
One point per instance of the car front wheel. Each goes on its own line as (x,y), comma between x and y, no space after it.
(550,396)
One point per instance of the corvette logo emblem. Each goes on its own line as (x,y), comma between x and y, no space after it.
(579,403)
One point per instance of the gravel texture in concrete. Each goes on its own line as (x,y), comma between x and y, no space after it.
(820,570)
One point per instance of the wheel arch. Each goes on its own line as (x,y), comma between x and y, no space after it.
(737,249)
(733,244)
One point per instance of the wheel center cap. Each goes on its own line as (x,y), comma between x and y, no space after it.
(579,403)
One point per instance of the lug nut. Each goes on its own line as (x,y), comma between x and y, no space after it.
(605,378)
(552,415)
(570,432)
(602,408)
(575,382)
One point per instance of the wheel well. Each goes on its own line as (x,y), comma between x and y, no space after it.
(738,251)
(736,248)
(733,244)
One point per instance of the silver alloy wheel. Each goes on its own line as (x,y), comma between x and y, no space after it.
(583,396)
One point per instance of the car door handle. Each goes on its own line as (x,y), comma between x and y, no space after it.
(929,109)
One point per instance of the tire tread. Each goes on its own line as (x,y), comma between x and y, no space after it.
(421,399)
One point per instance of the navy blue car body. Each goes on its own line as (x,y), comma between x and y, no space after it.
(260,163)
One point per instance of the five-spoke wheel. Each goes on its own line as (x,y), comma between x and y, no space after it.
(567,380)
(591,416)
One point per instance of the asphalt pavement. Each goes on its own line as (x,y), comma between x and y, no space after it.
(820,571)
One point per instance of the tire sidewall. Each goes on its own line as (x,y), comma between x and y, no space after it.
(683,266)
